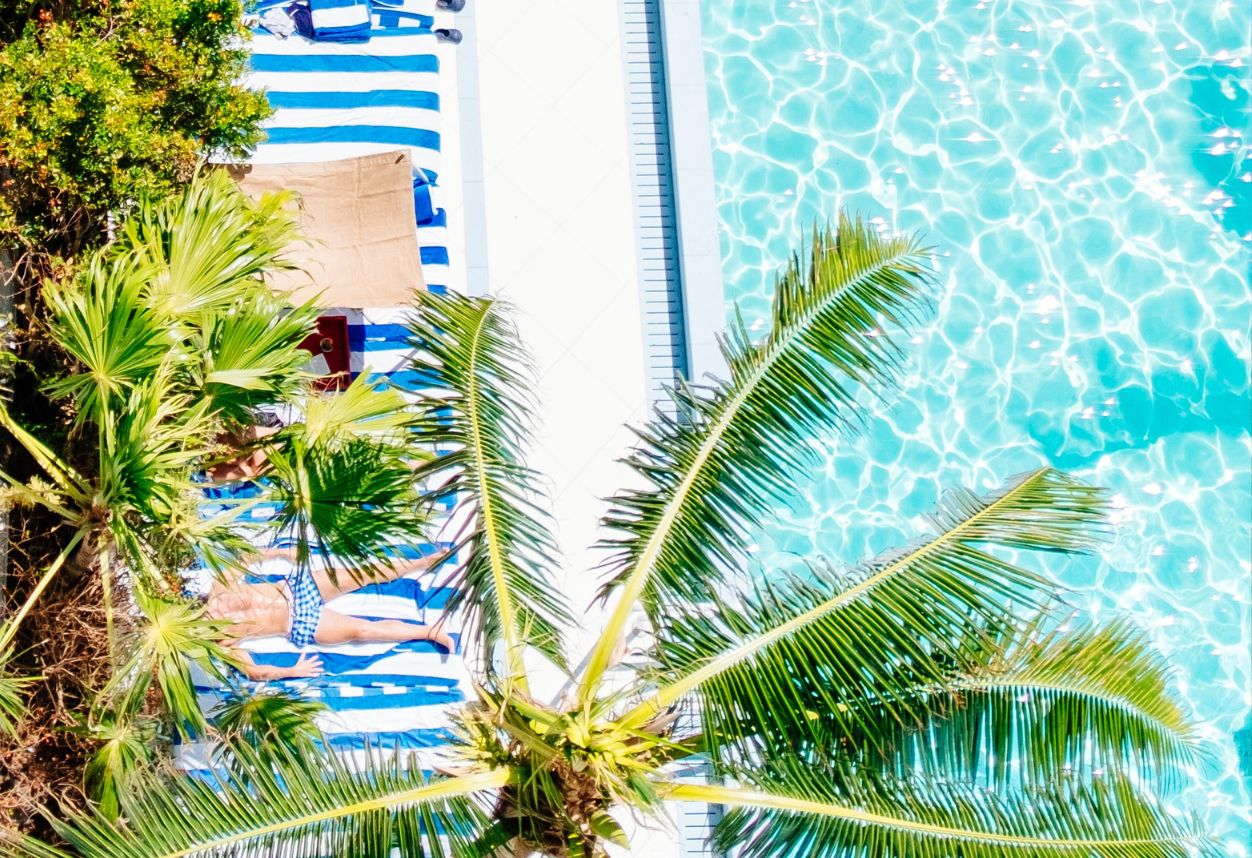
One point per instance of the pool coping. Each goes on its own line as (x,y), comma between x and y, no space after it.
(473,194)
(695,198)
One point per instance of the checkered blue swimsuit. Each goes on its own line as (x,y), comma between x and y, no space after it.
(306,607)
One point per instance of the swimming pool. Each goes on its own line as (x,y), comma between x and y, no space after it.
(1082,169)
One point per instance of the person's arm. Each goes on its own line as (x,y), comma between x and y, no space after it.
(307,665)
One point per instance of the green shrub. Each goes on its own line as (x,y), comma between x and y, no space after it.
(102,103)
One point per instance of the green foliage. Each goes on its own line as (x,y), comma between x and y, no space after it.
(270,723)
(931,702)
(102,104)
(171,339)
(900,621)
(729,451)
(838,814)
(126,746)
(477,414)
(13,690)
(312,806)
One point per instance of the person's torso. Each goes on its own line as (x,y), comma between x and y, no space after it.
(253,610)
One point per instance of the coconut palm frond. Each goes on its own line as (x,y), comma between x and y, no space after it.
(476,410)
(1044,703)
(731,450)
(207,244)
(816,811)
(902,620)
(311,804)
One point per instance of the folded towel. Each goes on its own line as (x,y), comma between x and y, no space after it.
(278,22)
(338,20)
(422,206)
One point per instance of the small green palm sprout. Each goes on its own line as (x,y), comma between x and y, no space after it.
(929,702)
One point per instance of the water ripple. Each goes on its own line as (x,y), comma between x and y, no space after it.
(1083,171)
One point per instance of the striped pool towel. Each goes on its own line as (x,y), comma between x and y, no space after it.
(342,100)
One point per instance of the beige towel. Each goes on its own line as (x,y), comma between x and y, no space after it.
(357,219)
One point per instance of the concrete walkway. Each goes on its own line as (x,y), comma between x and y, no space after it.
(560,247)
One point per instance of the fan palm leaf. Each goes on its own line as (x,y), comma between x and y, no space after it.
(13,689)
(476,412)
(732,449)
(247,357)
(207,244)
(362,410)
(351,502)
(102,321)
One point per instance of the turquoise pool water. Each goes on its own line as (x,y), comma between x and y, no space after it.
(1083,170)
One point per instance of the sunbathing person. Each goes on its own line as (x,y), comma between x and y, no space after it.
(296,609)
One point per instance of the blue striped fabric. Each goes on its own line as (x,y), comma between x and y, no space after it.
(417,138)
(340,20)
(351,100)
(434,256)
(331,101)
(344,63)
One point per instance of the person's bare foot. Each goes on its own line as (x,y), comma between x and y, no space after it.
(436,635)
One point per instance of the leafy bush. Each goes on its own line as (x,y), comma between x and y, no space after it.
(103,103)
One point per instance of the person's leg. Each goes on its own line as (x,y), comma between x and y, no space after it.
(344,582)
(337,628)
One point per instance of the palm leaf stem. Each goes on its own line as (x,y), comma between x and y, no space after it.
(737,797)
(11,626)
(508,618)
(67,479)
(667,695)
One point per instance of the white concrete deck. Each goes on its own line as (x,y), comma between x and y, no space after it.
(559,234)
(560,248)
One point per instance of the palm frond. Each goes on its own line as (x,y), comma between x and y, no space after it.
(207,244)
(66,480)
(171,635)
(825,642)
(476,411)
(12,692)
(249,355)
(731,449)
(102,321)
(126,746)
(364,411)
(352,502)
(1043,704)
(266,721)
(820,813)
(310,804)
(146,453)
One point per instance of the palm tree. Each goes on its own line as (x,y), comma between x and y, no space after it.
(932,701)
(172,339)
